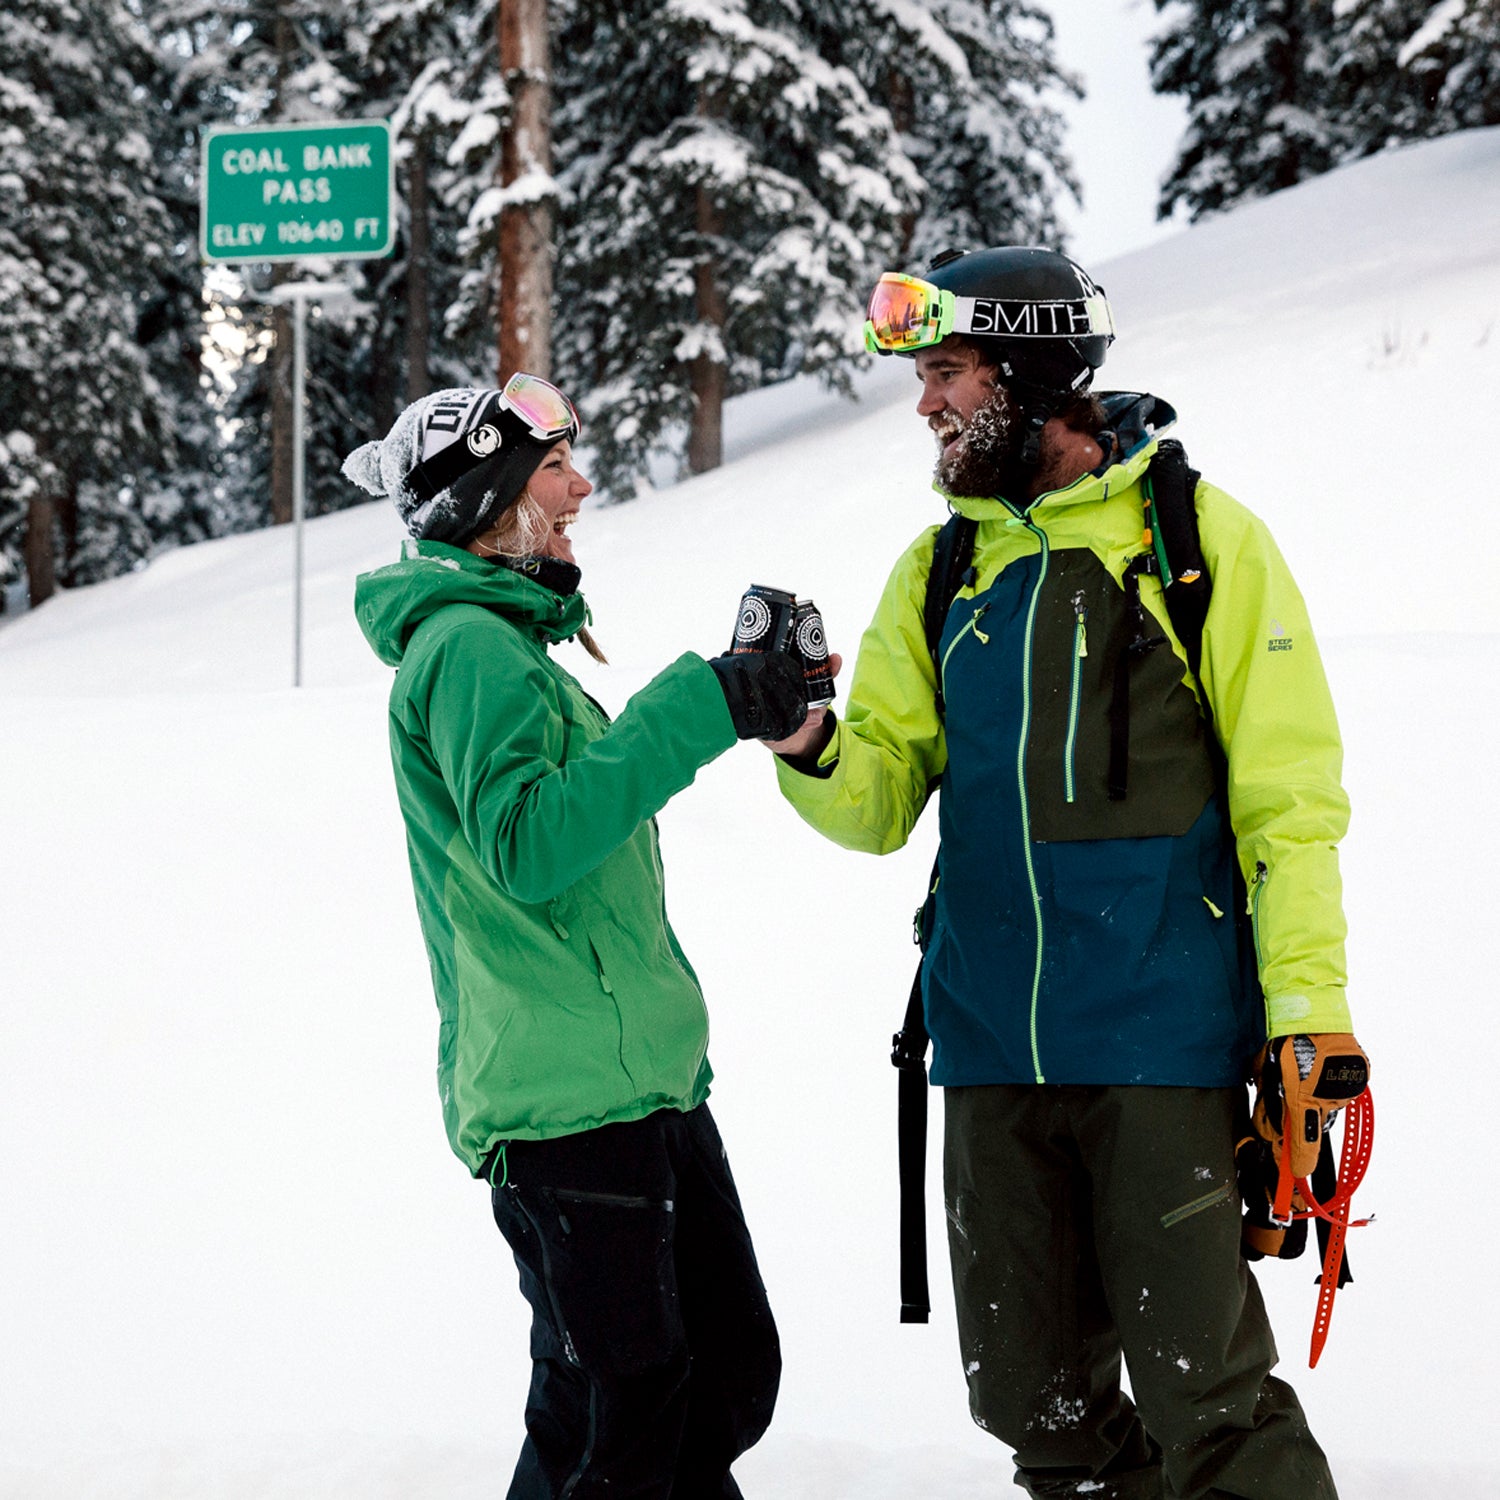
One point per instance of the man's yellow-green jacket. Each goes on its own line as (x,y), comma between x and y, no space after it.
(1076,937)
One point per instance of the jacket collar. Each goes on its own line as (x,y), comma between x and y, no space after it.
(392,602)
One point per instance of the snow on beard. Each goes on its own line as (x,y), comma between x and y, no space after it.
(984,460)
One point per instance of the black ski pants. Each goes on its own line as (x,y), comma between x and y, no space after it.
(1087,1224)
(655,1359)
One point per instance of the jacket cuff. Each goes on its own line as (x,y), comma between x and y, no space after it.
(822,764)
(1311,1012)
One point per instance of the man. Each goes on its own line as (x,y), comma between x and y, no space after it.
(1093,1009)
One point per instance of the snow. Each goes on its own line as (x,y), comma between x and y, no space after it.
(1430,31)
(237,1258)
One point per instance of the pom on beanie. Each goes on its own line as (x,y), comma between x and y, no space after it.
(452,463)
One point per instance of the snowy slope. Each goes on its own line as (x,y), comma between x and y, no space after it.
(236,1259)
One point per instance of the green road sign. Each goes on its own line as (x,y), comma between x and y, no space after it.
(290,192)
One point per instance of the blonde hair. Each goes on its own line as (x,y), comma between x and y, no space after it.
(522,532)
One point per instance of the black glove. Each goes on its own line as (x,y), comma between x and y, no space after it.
(764,692)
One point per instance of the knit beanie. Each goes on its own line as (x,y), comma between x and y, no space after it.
(452,462)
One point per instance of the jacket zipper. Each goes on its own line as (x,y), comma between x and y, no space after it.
(979,636)
(1257,886)
(1036,900)
(1080,650)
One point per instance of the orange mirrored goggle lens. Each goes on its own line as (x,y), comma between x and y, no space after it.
(905,313)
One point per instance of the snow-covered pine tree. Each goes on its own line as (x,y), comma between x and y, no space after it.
(1462,42)
(181,497)
(83,243)
(468,183)
(256,62)
(969,85)
(412,70)
(1256,75)
(1413,69)
(725,195)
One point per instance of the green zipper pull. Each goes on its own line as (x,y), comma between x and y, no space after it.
(1081,639)
(979,635)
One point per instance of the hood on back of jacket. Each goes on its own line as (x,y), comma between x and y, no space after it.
(391,602)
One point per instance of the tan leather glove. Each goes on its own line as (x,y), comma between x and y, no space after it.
(1300,1083)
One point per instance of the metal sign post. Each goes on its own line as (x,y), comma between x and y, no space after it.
(298,294)
(297,192)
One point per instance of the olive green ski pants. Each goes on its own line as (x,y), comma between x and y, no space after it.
(1090,1223)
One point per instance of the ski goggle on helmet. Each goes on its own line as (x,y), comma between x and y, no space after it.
(907,313)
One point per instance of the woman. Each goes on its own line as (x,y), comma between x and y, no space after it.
(572,1046)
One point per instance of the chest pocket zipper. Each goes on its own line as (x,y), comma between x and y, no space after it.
(971,627)
(1080,651)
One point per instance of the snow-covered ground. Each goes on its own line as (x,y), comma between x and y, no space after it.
(236,1259)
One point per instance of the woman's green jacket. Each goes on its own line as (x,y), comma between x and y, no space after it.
(564,999)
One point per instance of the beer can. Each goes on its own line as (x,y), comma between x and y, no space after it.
(765,620)
(812,646)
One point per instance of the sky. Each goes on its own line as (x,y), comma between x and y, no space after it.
(1122,136)
(237,1259)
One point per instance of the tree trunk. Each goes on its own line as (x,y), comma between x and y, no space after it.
(901,100)
(281,320)
(524,313)
(41,576)
(65,513)
(281,404)
(418,292)
(708,373)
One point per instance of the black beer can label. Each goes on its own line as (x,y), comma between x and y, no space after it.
(765,622)
(812,646)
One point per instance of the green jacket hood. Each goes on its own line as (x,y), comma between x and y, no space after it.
(391,602)
(1136,420)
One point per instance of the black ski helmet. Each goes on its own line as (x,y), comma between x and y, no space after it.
(1043,363)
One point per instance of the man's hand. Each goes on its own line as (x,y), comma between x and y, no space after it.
(1300,1081)
(813,735)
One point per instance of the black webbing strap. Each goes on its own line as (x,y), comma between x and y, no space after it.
(1186,585)
(951,554)
(909,1055)
(1324,1184)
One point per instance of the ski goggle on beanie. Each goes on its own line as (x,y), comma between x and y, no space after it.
(547,414)
(907,314)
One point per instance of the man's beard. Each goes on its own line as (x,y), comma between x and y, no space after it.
(986,459)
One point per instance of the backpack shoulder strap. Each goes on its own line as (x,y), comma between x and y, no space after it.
(952,557)
(952,554)
(1172,520)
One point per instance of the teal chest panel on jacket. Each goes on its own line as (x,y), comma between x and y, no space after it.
(1076,937)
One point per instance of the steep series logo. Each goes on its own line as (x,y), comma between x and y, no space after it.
(1280,640)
